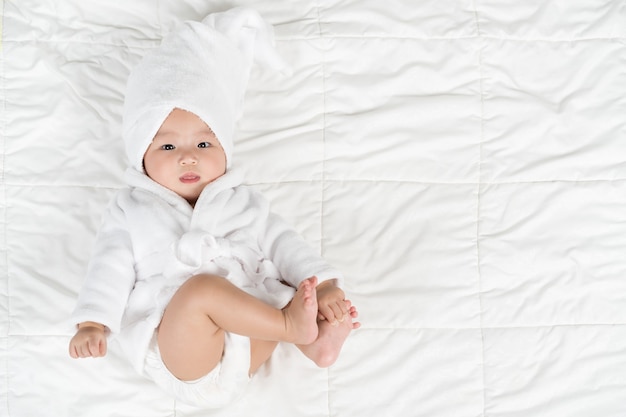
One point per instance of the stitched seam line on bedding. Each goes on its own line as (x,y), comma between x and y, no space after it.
(323,176)
(478,207)
(403,329)
(452,183)
(151,43)
(4,360)
(453,38)
(478,201)
(503,327)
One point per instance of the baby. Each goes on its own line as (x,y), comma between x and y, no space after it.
(192,273)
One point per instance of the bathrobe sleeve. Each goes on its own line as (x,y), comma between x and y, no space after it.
(295,259)
(110,274)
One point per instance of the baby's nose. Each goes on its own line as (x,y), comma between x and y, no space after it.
(188,159)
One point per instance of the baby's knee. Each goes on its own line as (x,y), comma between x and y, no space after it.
(202,280)
(198,288)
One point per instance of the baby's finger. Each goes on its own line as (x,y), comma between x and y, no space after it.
(329,315)
(338,311)
(73,352)
(83,351)
(103,347)
(96,347)
(94,350)
(344,307)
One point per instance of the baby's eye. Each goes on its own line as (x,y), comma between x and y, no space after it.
(204,145)
(168,147)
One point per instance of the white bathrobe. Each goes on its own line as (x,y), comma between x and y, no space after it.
(151,241)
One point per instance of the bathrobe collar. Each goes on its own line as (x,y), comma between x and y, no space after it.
(231,179)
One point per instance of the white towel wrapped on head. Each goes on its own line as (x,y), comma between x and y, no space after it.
(202,67)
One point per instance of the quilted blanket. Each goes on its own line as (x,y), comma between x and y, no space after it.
(463,162)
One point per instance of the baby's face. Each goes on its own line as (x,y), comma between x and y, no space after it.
(185,155)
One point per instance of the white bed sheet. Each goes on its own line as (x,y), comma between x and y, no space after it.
(462,161)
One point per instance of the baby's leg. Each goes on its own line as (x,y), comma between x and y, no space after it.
(260,352)
(191,333)
(325,350)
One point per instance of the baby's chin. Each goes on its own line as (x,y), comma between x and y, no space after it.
(192,193)
(193,196)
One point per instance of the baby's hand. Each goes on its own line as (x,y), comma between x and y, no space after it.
(89,341)
(331,303)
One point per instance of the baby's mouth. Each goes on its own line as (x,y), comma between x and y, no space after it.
(189,178)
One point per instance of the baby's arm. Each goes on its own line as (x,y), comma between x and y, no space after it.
(331,302)
(89,341)
(109,281)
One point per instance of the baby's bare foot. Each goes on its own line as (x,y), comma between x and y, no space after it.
(325,350)
(301,314)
